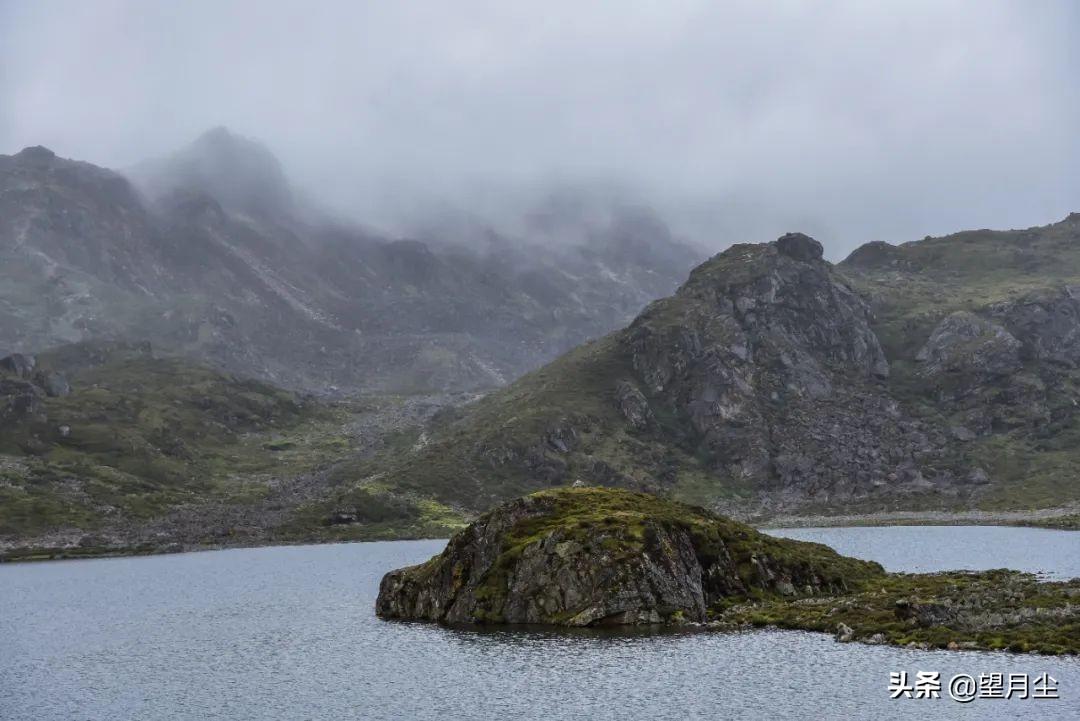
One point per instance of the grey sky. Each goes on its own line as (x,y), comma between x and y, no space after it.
(849,120)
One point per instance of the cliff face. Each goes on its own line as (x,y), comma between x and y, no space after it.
(766,357)
(585,556)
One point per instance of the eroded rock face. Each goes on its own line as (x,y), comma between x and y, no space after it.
(20,400)
(589,556)
(633,405)
(1006,366)
(968,344)
(770,357)
(18,364)
(53,383)
(25,383)
(1046,324)
(800,247)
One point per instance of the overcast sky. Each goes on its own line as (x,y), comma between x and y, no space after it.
(851,121)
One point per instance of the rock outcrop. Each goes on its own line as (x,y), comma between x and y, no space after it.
(590,556)
(20,401)
(970,345)
(769,359)
(603,557)
(24,386)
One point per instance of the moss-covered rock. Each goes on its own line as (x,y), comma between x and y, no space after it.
(992,610)
(592,556)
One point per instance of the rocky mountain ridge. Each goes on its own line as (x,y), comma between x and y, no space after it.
(940,376)
(210,255)
(775,382)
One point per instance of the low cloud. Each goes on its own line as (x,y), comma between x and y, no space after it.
(851,121)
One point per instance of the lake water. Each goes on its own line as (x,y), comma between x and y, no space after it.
(289,633)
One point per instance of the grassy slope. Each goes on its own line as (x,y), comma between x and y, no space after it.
(140,438)
(917,284)
(475,460)
(149,435)
(449,468)
(139,435)
(933,277)
(499,448)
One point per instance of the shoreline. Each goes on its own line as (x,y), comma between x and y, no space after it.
(1057,519)
(1060,519)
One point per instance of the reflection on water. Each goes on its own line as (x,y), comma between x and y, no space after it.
(289,633)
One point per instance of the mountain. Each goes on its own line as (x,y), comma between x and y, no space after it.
(940,375)
(211,255)
(937,375)
(111,447)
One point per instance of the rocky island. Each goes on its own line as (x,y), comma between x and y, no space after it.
(600,556)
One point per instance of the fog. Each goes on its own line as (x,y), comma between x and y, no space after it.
(738,121)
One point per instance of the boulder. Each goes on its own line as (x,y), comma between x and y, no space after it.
(969,344)
(1046,323)
(799,246)
(633,405)
(20,401)
(18,365)
(54,384)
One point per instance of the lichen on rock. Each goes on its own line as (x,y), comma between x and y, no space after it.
(591,556)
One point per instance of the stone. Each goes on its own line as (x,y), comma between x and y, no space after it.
(966,343)
(19,365)
(844,633)
(20,400)
(799,246)
(633,405)
(54,384)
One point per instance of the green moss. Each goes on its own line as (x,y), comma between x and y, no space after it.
(897,608)
(621,521)
(1070,522)
(139,435)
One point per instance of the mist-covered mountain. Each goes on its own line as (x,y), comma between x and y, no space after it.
(210,253)
(942,374)
(939,375)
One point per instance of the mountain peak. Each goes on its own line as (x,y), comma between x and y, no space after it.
(36,155)
(239,172)
(799,246)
